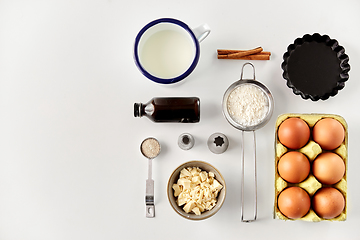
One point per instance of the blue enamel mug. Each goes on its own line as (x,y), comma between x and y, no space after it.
(167,50)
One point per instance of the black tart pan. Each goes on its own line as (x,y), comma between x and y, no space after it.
(315,67)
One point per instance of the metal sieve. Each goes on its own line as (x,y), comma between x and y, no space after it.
(252,128)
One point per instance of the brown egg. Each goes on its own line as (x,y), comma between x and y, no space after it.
(328,133)
(294,133)
(294,167)
(328,168)
(294,202)
(328,203)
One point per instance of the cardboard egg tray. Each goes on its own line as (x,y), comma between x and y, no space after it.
(311,150)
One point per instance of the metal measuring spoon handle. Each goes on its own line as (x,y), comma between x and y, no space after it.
(149,193)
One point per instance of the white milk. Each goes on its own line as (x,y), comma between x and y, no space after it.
(167,53)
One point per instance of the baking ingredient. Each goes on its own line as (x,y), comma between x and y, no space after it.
(197,190)
(294,202)
(294,133)
(294,167)
(328,168)
(229,51)
(328,203)
(150,147)
(247,105)
(257,56)
(253,54)
(170,109)
(236,55)
(328,133)
(168,53)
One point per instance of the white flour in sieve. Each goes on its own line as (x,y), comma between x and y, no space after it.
(247,105)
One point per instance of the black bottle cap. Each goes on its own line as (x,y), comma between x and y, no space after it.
(137,109)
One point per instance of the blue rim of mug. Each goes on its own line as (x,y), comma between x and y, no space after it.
(166,80)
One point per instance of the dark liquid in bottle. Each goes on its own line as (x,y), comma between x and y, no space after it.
(185,110)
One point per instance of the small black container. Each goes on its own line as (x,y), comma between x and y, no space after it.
(174,109)
(315,67)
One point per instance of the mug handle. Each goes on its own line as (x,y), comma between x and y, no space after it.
(201,32)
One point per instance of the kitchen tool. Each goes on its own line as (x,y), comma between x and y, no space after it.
(150,148)
(218,143)
(174,178)
(167,50)
(186,141)
(251,127)
(315,67)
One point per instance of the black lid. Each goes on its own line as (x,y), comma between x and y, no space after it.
(315,67)
(137,109)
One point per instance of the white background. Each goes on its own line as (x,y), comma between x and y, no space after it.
(70,165)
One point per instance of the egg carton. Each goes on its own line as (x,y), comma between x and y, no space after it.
(311,150)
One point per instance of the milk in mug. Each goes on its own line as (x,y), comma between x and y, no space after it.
(167,54)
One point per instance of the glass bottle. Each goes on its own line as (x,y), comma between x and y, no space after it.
(170,109)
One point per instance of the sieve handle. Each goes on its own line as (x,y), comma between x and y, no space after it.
(242,70)
(242,180)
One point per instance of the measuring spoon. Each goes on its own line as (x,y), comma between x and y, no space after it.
(150,148)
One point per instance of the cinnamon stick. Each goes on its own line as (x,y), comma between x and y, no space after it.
(253,54)
(245,53)
(249,57)
(225,52)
